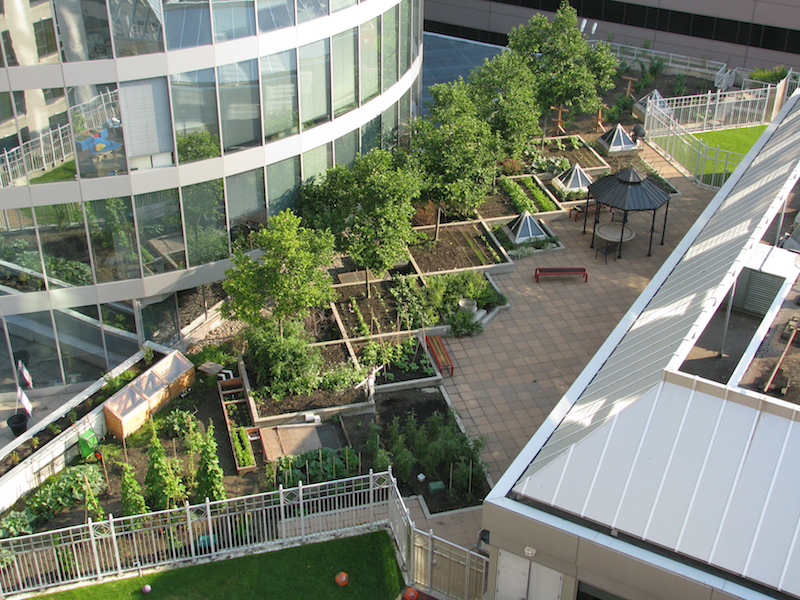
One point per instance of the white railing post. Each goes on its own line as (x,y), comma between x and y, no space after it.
(211,540)
(466,574)
(94,548)
(189,529)
(371,497)
(114,541)
(302,519)
(283,513)
(430,559)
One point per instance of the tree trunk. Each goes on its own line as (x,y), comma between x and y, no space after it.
(544,131)
(366,278)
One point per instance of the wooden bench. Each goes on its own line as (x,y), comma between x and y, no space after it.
(540,271)
(439,353)
(579,209)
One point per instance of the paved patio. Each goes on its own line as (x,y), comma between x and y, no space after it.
(509,378)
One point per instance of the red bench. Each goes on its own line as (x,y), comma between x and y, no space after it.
(439,353)
(542,271)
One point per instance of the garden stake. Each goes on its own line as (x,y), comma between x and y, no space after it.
(470,476)
(346,460)
(451,477)
(359,463)
(308,473)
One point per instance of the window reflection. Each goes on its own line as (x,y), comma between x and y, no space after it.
(194,98)
(370,59)
(145,112)
(283,183)
(194,304)
(316,162)
(311,9)
(97,127)
(315,83)
(247,204)
(345,71)
(233,19)
(64,248)
(371,135)
(7,381)
(28,34)
(405,36)
(275,14)
(80,341)
(119,331)
(83,26)
(113,239)
(389,127)
(47,139)
(345,148)
(160,321)
(389,48)
(188,23)
(20,262)
(241,109)
(158,216)
(33,341)
(12,164)
(137,26)
(204,217)
(279,94)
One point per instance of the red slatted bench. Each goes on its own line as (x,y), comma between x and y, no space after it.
(542,271)
(439,353)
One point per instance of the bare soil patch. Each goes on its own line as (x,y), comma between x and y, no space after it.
(458,247)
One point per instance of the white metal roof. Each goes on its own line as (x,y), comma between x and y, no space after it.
(698,469)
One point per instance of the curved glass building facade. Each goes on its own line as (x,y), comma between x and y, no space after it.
(139,139)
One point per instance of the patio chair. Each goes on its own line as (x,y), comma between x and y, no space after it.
(605,250)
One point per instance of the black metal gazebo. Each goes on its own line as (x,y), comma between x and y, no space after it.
(628,190)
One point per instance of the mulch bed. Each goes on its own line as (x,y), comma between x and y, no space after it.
(378,311)
(458,247)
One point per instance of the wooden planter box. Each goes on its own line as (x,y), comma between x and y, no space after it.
(232,391)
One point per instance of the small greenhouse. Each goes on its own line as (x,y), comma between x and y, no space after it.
(524,228)
(617,140)
(573,180)
(127,410)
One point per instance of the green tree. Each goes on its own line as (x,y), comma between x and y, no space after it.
(455,148)
(288,273)
(163,484)
(197,145)
(132,499)
(209,475)
(568,70)
(368,207)
(504,92)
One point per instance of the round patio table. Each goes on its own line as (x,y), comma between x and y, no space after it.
(615,233)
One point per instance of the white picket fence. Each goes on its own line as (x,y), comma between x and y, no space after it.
(251,524)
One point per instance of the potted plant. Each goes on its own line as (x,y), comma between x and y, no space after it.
(18,423)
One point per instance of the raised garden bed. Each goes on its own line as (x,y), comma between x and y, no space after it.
(461,246)
(364,316)
(580,152)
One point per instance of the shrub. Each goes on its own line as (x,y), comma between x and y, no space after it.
(16,523)
(242,447)
(178,423)
(519,198)
(542,201)
(511,166)
(65,489)
(162,482)
(679,85)
(462,324)
(774,75)
(132,499)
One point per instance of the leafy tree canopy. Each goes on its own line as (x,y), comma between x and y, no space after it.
(504,92)
(569,72)
(288,272)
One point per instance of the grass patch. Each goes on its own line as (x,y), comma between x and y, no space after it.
(65,172)
(302,573)
(734,140)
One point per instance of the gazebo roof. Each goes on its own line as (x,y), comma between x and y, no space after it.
(628,190)
(575,178)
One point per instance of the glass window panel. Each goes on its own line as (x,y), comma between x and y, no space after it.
(158,217)
(204,218)
(195,303)
(371,135)
(33,341)
(345,71)
(404,108)
(145,112)
(160,321)
(194,100)
(389,48)
(20,262)
(80,340)
(635,15)
(275,14)
(241,111)
(345,148)
(340,4)
(370,59)
(233,19)
(64,248)
(756,32)
(279,95)
(774,38)
(84,31)
(389,127)
(614,11)
(316,162)
(97,125)
(416,26)
(7,365)
(44,126)
(405,36)
(725,30)
(680,22)
(315,83)
(29,34)
(311,9)
(137,26)
(113,239)
(283,184)
(119,328)
(188,23)
(247,203)
(12,163)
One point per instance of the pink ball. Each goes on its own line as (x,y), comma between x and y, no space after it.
(146,589)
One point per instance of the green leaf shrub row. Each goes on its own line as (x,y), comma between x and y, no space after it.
(242,447)
(542,201)
(520,199)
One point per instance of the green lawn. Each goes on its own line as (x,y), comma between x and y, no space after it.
(301,573)
(65,172)
(735,140)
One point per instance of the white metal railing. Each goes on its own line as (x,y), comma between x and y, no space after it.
(258,523)
(721,110)
(708,167)
(48,150)
(699,67)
